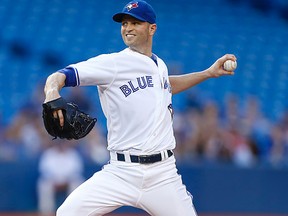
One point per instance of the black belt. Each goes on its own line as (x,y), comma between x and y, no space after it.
(144,159)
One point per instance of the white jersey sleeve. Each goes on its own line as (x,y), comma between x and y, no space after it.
(98,71)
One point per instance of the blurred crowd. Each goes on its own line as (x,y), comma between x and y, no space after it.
(206,132)
(233,133)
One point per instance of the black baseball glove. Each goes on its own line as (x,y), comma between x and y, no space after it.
(77,124)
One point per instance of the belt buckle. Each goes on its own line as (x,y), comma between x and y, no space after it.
(144,159)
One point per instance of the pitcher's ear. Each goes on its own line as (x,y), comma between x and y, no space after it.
(153,28)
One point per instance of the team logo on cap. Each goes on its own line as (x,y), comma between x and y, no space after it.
(132,5)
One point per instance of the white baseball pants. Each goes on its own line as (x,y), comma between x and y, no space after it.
(155,188)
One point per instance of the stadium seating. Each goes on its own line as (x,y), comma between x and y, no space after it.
(38,37)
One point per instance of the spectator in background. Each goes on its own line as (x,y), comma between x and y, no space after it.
(26,130)
(94,147)
(279,150)
(60,170)
(211,143)
(278,145)
(237,126)
(8,149)
(259,128)
(23,132)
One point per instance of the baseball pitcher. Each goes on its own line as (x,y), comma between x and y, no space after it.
(135,92)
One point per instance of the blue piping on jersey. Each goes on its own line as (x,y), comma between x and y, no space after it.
(72,76)
(154,58)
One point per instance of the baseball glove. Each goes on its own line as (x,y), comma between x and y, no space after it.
(77,124)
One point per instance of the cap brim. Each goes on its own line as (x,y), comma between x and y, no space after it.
(119,17)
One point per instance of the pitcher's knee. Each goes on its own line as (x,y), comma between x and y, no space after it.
(58,212)
(72,209)
(62,211)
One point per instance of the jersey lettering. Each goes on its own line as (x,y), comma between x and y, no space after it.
(167,85)
(170,108)
(126,90)
(132,87)
(141,83)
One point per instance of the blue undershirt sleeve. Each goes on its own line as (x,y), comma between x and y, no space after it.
(72,78)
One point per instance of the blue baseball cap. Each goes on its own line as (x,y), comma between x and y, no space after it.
(140,10)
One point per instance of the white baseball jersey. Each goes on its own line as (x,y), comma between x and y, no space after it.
(135,96)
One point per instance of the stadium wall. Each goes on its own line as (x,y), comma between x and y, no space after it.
(217,188)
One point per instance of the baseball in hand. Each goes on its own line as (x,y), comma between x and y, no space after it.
(230,65)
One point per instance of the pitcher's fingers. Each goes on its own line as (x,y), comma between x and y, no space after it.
(61,117)
(228,57)
(55,114)
(232,57)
